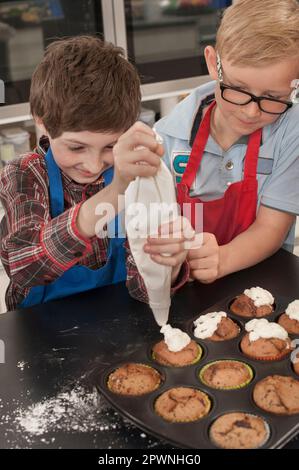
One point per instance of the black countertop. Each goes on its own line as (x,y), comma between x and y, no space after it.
(54,352)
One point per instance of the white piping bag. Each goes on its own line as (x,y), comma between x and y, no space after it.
(150,202)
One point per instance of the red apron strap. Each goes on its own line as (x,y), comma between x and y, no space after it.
(252,153)
(198,148)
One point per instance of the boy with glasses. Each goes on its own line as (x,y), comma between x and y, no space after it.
(233,144)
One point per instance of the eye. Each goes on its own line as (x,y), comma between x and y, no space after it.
(76,149)
(109,147)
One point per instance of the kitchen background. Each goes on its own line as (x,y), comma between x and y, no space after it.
(164,38)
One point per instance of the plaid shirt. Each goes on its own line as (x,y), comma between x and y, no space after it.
(36,249)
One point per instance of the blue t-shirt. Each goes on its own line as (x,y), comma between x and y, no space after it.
(278,163)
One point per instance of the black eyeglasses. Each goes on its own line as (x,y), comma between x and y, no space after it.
(241,97)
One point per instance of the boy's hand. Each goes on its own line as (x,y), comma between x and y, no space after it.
(169,247)
(204,261)
(136,154)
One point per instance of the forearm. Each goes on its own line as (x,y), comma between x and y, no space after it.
(249,248)
(98,210)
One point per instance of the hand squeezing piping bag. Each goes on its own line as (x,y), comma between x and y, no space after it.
(150,202)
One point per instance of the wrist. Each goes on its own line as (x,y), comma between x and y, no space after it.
(223,268)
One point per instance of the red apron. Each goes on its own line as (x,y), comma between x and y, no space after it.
(236,210)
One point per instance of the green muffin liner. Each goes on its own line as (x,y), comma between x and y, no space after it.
(235,387)
(207,402)
(198,357)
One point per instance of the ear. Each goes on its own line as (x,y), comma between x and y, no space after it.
(210,56)
(40,125)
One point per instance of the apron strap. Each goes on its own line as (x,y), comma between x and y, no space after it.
(198,149)
(252,153)
(55,185)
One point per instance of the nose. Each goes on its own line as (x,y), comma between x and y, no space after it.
(252,110)
(95,164)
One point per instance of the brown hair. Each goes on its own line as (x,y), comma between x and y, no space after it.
(257,32)
(84,83)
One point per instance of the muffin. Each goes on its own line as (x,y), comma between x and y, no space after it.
(296,367)
(215,326)
(239,431)
(290,319)
(254,302)
(226,374)
(266,341)
(277,394)
(190,354)
(134,379)
(182,404)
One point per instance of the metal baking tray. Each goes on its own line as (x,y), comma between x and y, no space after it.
(140,410)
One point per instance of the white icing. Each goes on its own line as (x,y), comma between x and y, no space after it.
(175,338)
(262,328)
(259,296)
(206,325)
(293,310)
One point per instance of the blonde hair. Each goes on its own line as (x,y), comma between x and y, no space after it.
(257,32)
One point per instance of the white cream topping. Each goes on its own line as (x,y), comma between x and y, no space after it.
(206,325)
(293,310)
(175,338)
(259,296)
(262,328)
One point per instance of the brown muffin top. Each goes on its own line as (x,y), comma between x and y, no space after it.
(296,367)
(227,329)
(239,431)
(134,379)
(277,394)
(244,307)
(226,374)
(266,348)
(182,404)
(289,324)
(186,356)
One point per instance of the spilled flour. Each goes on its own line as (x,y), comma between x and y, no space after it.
(76,410)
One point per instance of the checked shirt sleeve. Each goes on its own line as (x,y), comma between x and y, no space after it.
(34,248)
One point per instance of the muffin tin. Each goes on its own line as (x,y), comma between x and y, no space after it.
(140,409)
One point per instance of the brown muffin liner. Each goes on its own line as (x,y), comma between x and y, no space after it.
(269,358)
(236,387)
(133,395)
(208,404)
(197,359)
(267,428)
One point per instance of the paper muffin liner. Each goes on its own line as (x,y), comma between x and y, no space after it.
(267,429)
(108,384)
(278,357)
(235,387)
(207,402)
(197,359)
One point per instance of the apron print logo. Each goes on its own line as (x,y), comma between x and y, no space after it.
(179,163)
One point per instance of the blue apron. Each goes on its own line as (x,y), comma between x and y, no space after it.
(79,278)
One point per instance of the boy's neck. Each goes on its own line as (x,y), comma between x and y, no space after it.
(221,131)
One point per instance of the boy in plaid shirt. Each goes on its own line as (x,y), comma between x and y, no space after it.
(85,98)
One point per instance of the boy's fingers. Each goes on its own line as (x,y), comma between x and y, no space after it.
(202,252)
(179,225)
(139,139)
(169,249)
(141,127)
(171,261)
(172,238)
(145,156)
(203,263)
